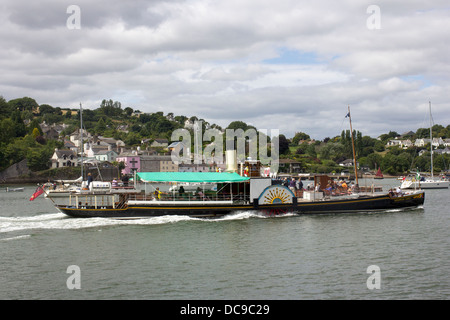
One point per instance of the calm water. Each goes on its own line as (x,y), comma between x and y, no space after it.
(244,256)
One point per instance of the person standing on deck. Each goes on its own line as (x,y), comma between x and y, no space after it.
(292,185)
(157,194)
(89,180)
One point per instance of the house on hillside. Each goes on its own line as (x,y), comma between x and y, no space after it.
(406,143)
(132,162)
(421,142)
(160,143)
(442,151)
(393,143)
(70,145)
(106,155)
(75,137)
(437,142)
(447,142)
(108,143)
(64,158)
(158,163)
(289,166)
(348,163)
(52,132)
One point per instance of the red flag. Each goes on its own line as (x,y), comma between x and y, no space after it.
(37,193)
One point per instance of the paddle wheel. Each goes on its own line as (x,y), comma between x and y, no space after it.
(276,194)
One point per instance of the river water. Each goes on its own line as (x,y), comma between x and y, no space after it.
(240,257)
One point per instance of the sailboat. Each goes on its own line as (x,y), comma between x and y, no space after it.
(379,174)
(64,188)
(422,182)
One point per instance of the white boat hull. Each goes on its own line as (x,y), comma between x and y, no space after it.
(427,184)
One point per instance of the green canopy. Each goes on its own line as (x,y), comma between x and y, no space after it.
(211,177)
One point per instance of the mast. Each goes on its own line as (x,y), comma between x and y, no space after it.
(353,147)
(431,142)
(81,137)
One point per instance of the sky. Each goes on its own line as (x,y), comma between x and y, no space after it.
(290,65)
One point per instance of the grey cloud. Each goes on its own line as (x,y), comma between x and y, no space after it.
(47,14)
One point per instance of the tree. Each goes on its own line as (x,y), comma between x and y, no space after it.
(35,133)
(374,160)
(100,127)
(144,118)
(132,139)
(23,104)
(283,144)
(19,125)
(128,111)
(45,108)
(34,124)
(388,136)
(8,130)
(331,150)
(311,151)
(423,133)
(299,136)
(240,125)
(346,141)
(181,119)
(441,162)
(110,108)
(5,108)
(68,114)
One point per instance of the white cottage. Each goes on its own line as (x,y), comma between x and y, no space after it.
(64,158)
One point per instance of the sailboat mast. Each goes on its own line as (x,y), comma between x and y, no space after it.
(431,142)
(81,138)
(353,147)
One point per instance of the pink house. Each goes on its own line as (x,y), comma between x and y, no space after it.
(132,163)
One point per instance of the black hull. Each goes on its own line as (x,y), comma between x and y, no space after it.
(360,204)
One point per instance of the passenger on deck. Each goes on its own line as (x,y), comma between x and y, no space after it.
(157,194)
(391,193)
(181,192)
(125,180)
(299,184)
(292,185)
(200,194)
(89,180)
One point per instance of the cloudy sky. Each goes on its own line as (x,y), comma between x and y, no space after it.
(288,64)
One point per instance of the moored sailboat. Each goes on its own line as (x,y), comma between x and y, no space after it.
(419,182)
(379,174)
